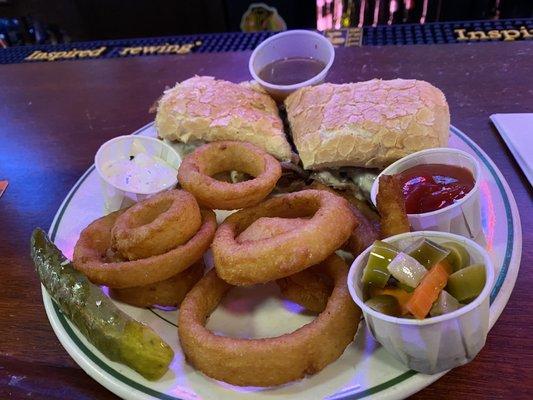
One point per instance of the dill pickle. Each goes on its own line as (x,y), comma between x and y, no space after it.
(114,333)
(458,257)
(427,252)
(467,283)
(376,273)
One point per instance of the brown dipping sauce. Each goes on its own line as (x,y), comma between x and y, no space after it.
(289,71)
(430,187)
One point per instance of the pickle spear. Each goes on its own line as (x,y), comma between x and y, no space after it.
(114,333)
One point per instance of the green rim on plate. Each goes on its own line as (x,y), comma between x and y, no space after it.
(350,394)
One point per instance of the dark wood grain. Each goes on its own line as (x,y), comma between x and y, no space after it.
(53,117)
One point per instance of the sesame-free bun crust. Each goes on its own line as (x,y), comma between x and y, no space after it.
(366,124)
(204,108)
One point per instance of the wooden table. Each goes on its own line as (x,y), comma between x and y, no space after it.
(54,116)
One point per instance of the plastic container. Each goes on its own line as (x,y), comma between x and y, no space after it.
(117,197)
(434,344)
(462,217)
(296,43)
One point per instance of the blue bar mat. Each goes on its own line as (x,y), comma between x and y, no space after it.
(431,33)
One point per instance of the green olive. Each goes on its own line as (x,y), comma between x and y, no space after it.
(458,257)
(467,283)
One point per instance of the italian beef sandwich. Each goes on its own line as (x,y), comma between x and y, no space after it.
(346,133)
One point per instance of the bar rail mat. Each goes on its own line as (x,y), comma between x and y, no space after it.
(406,34)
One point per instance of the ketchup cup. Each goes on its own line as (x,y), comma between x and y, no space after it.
(463,217)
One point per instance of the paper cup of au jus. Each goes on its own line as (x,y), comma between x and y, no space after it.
(288,45)
(123,186)
(463,217)
(433,344)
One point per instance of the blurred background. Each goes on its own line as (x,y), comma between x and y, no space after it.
(63,21)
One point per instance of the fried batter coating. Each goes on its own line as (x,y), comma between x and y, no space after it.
(268,361)
(391,207)
(367,231)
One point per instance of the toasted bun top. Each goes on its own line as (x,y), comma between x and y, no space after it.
(366,124)
(203,108)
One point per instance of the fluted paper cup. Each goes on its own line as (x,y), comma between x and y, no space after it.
(117,197)
(294,43)
(434,344)
(463,217)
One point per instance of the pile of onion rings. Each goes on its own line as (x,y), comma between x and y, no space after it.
(152,254)
(196,173)
(161,279)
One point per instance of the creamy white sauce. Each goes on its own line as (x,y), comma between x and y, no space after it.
(139,173)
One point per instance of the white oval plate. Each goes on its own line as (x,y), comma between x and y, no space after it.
(365,370)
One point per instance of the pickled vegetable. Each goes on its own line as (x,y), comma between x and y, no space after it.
(114,333)
(428,291)
(407,288)
(467,283)
(445,304)
(458,257)
(376,273)
(407,270)
(427,252)
(384,304)
(399,294)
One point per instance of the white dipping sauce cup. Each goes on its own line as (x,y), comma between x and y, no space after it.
(296,43)
(433,344)
(117,197)
(463,216)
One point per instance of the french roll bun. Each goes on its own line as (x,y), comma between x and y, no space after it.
(206,109)
(366,124)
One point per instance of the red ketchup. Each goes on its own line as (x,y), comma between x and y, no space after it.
(430,187)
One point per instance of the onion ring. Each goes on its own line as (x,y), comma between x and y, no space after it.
(308,288)
(271,361)
(330,225)
(91,255)
(156,225)
(367,231)
(266,227)
(167,293)
(196,173)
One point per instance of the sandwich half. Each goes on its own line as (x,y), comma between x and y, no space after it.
(346,133)
(204,109)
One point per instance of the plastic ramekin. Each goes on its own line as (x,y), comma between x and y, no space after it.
(117,197)
(434,344)
(463,217)
(295,43)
